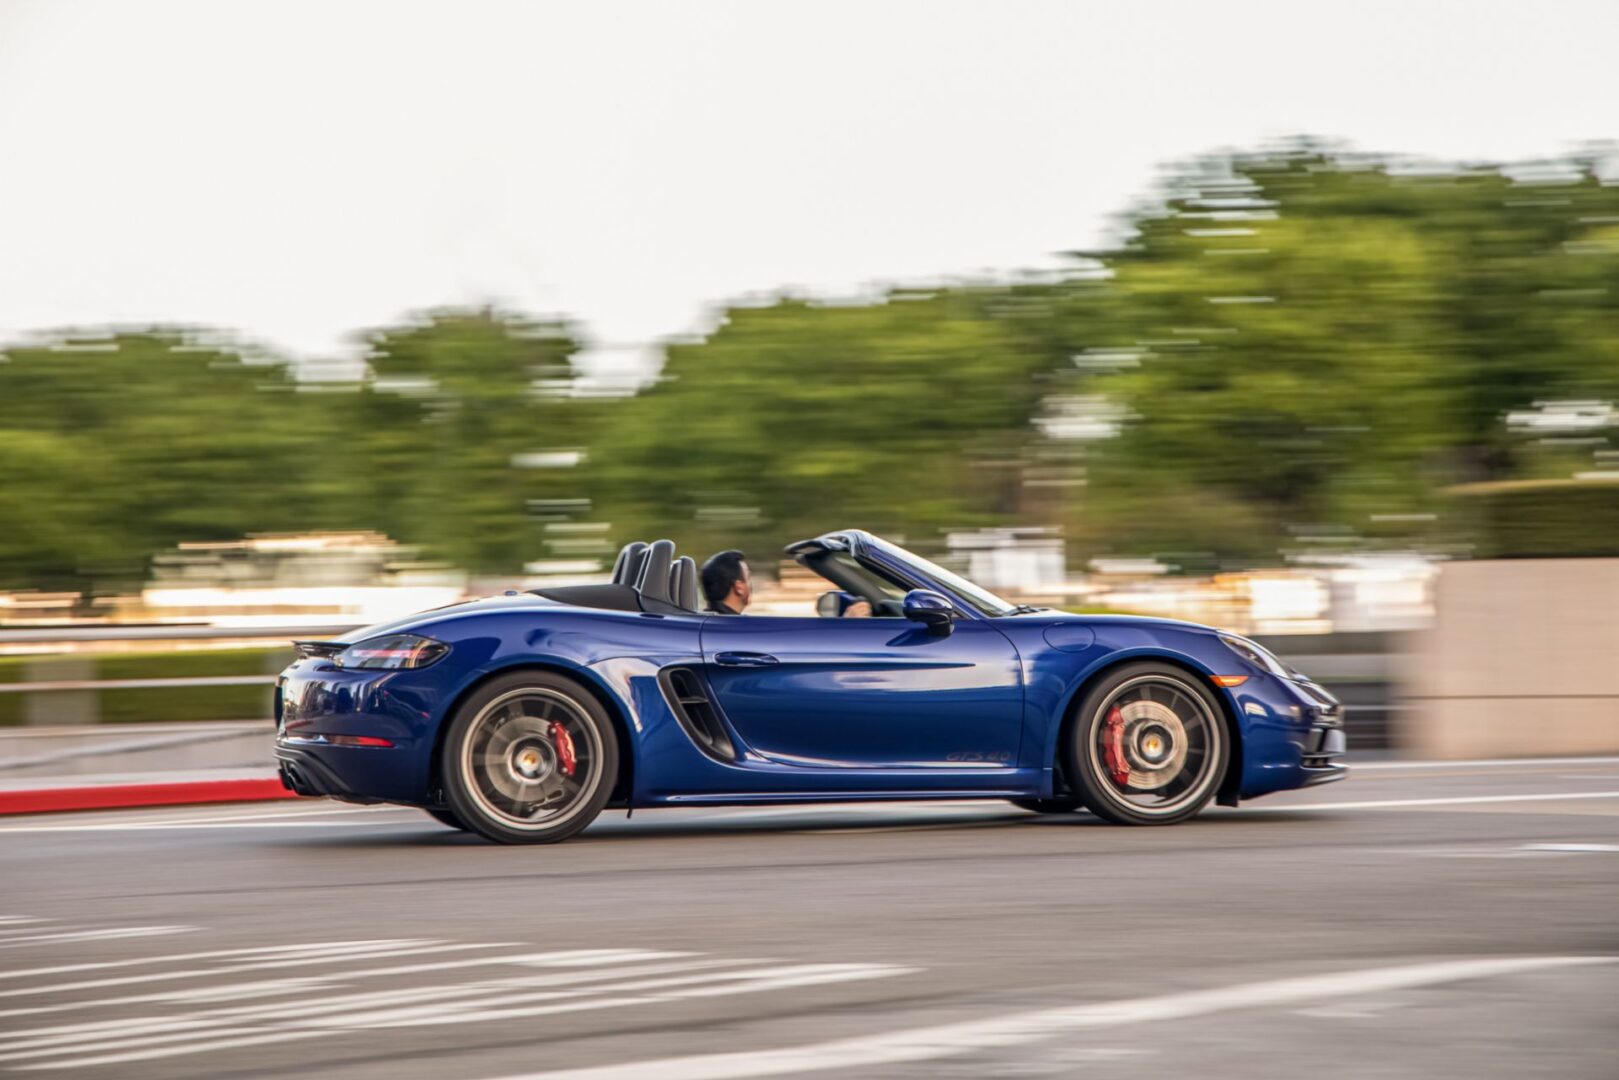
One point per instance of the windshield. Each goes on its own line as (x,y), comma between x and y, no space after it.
(982,599)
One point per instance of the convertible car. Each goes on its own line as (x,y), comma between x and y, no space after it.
(520,717)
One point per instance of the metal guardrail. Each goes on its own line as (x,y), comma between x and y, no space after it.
(44,635)
(134,684)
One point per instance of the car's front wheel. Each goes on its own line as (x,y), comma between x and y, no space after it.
(1148,745)
(530,758)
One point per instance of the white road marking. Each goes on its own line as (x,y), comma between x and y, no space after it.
(67,936)
(333,1004)
(574,986)
(227,992)
(949,1040)
(331,956)
(80,1035)
(165,958)
(1455,800)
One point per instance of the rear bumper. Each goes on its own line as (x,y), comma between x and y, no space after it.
(303,773)
(318,703)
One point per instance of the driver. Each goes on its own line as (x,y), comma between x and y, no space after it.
(728,586)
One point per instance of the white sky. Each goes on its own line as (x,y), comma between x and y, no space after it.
(300,170)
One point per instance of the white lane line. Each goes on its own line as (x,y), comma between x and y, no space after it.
(949,1040)
(1481,763)
(334,956)
(1456,800)
(106,819)
(68,936)
(1572,848)
(281,812)
(255,824)
(13,920)
(143,1048)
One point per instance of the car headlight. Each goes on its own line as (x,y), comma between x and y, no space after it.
(1256,655)
(396,652)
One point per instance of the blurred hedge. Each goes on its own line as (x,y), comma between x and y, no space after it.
(1526,519)
(161,704)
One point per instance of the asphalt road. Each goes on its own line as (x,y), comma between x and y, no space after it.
(1410,922)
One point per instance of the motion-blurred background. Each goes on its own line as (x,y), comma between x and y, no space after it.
(1303,323)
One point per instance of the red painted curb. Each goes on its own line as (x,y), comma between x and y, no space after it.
(112,796)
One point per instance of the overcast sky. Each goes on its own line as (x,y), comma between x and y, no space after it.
(299,170)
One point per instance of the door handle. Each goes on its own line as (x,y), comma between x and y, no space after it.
(745,659)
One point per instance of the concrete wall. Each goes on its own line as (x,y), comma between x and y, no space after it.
(1523,661)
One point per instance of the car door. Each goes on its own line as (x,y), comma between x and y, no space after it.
(867,693)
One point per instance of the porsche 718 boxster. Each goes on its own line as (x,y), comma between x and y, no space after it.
(520,717)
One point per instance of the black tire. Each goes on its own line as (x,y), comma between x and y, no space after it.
(1148,745)
(1060,805)
(445,817)
(511,777)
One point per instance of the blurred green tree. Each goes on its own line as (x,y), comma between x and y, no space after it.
(905,415)
(1286,344)
(119,446)
(1310,343)
(467,419)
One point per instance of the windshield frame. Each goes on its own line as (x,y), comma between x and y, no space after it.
(976,597)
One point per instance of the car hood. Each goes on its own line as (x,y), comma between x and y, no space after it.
(1052,617)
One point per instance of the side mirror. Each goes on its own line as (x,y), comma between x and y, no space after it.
(930,609)
(829,605)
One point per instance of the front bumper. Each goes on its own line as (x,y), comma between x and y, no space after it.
(1293,735)
(1321,749)
(1325,741)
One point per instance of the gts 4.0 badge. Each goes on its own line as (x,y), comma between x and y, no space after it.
(975,757)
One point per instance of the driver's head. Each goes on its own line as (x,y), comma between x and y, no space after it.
(726,581)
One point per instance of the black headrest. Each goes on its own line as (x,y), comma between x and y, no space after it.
(628,567)
(683,583)
(653,582)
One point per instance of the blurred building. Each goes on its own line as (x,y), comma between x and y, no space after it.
(342,578)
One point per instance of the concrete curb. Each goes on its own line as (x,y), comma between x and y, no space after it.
(45,800)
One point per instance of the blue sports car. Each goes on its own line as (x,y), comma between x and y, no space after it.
(520,717)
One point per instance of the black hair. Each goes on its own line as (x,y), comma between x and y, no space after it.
(720,573)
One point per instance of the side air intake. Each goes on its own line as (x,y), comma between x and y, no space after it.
(688,699)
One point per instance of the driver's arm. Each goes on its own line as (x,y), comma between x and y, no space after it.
(860,609)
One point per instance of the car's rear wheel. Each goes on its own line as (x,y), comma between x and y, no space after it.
(445,817)
(1148,746)
(530,758)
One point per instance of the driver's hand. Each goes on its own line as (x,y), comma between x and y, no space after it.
(860,609)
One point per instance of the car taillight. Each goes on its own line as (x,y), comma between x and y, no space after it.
(396,652)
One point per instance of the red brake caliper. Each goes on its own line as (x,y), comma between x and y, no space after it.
(1113,744)
(564,741)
